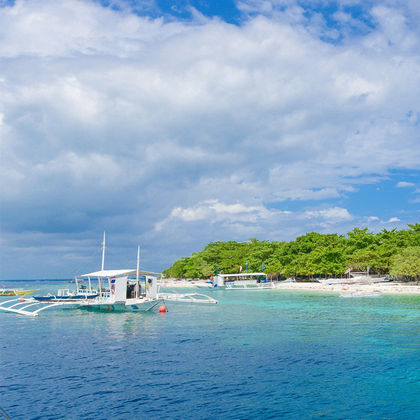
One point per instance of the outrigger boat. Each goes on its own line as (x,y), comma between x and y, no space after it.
(109,290)
(241,281)
(362,277)
(15,292)
(116,290)
(248,281)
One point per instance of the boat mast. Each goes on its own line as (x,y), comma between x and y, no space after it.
(103,254)
(102,265)
(138,264)
(137,273)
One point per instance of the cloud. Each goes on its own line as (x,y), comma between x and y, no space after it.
(215,211)
(403,184)
(151,127)
(331,215)
(72,27)
(305,194)
(393,219)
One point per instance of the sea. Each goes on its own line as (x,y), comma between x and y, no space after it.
(266,354)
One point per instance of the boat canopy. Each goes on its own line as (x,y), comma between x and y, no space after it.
(119,273)
(243,274)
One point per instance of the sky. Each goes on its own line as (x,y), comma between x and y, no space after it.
(172,124)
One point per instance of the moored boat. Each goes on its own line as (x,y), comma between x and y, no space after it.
(109,290)
(106,289)
(354,278)
(115,290)
(241,281)
(15,292)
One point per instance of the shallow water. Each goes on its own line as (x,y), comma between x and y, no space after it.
(262,354)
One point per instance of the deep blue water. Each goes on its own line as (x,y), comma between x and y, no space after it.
(255,355)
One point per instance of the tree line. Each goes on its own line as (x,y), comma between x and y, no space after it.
(394,252)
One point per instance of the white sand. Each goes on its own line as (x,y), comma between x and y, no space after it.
(180,283)
(385,288)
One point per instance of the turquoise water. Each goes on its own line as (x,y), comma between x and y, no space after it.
(263,354)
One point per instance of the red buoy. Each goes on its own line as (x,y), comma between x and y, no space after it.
(162,308)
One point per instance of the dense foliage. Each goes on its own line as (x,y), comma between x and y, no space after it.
(312,255)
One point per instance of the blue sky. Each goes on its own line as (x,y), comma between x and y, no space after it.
(173,124)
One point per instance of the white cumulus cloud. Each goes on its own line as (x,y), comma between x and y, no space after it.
(404,184)
(214,211)
(180,132)
(330,215)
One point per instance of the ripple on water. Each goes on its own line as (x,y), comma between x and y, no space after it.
(262,355)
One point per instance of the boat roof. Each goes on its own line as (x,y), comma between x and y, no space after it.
(242,274)
(119,273)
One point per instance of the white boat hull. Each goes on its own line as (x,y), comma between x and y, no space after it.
(352,280)
(131,305)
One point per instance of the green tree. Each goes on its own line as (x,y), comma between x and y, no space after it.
(309,255)
(406,264)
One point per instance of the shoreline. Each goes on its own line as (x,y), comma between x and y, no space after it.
(382,288)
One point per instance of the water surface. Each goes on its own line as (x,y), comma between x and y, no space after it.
(262,354)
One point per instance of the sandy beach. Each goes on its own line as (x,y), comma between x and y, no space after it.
(384,288)
(390,288)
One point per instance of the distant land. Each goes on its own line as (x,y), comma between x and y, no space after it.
(394,252)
